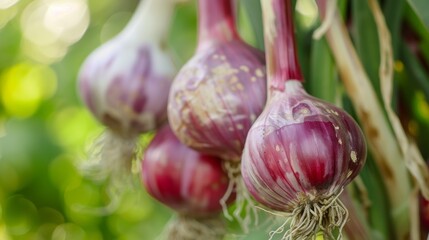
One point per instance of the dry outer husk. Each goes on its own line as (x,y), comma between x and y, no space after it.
(380,138)
(412,156)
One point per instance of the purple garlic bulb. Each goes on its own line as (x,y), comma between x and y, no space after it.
(187,181)
(218,94)
(301,148)
(125,82)
(301,151)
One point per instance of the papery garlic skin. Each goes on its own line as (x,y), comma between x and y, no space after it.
(216,97)
(300,150)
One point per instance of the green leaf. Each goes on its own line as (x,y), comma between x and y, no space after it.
(416,70)
(322,82)
(253,9)
(366,41)
(412,21)
(393,12)
(420,7)
(379,214)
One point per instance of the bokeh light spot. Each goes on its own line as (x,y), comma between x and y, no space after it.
(72,126)
(6,15)
(50,218)
(64,174)
(3,232)
(421,107)
(51,26)
(20,215)
(51,215)
(10,180)
(44,231)
(135,206)
(67,19)
(47,55)
(32,25)
(83,204)
(2,128)
(24,86)
(399,66)
(4,4)
(82,195)
(68,231)
(307,12)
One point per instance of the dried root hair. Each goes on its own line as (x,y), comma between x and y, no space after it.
(245,211)
(111,160)
(309,218)
(183,227)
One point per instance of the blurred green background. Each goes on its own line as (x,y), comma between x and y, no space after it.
(44,128)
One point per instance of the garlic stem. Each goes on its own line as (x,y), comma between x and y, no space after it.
(216,21)
(280,47)
(151,20)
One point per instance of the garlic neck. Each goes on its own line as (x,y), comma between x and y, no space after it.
(216,21)
(150,22)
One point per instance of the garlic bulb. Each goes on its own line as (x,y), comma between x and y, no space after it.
(125,82)
(218,94)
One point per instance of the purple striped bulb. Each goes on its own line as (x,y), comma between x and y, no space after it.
(126,87)
(301,150)
(216,97)
(185,180)
(125,82)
